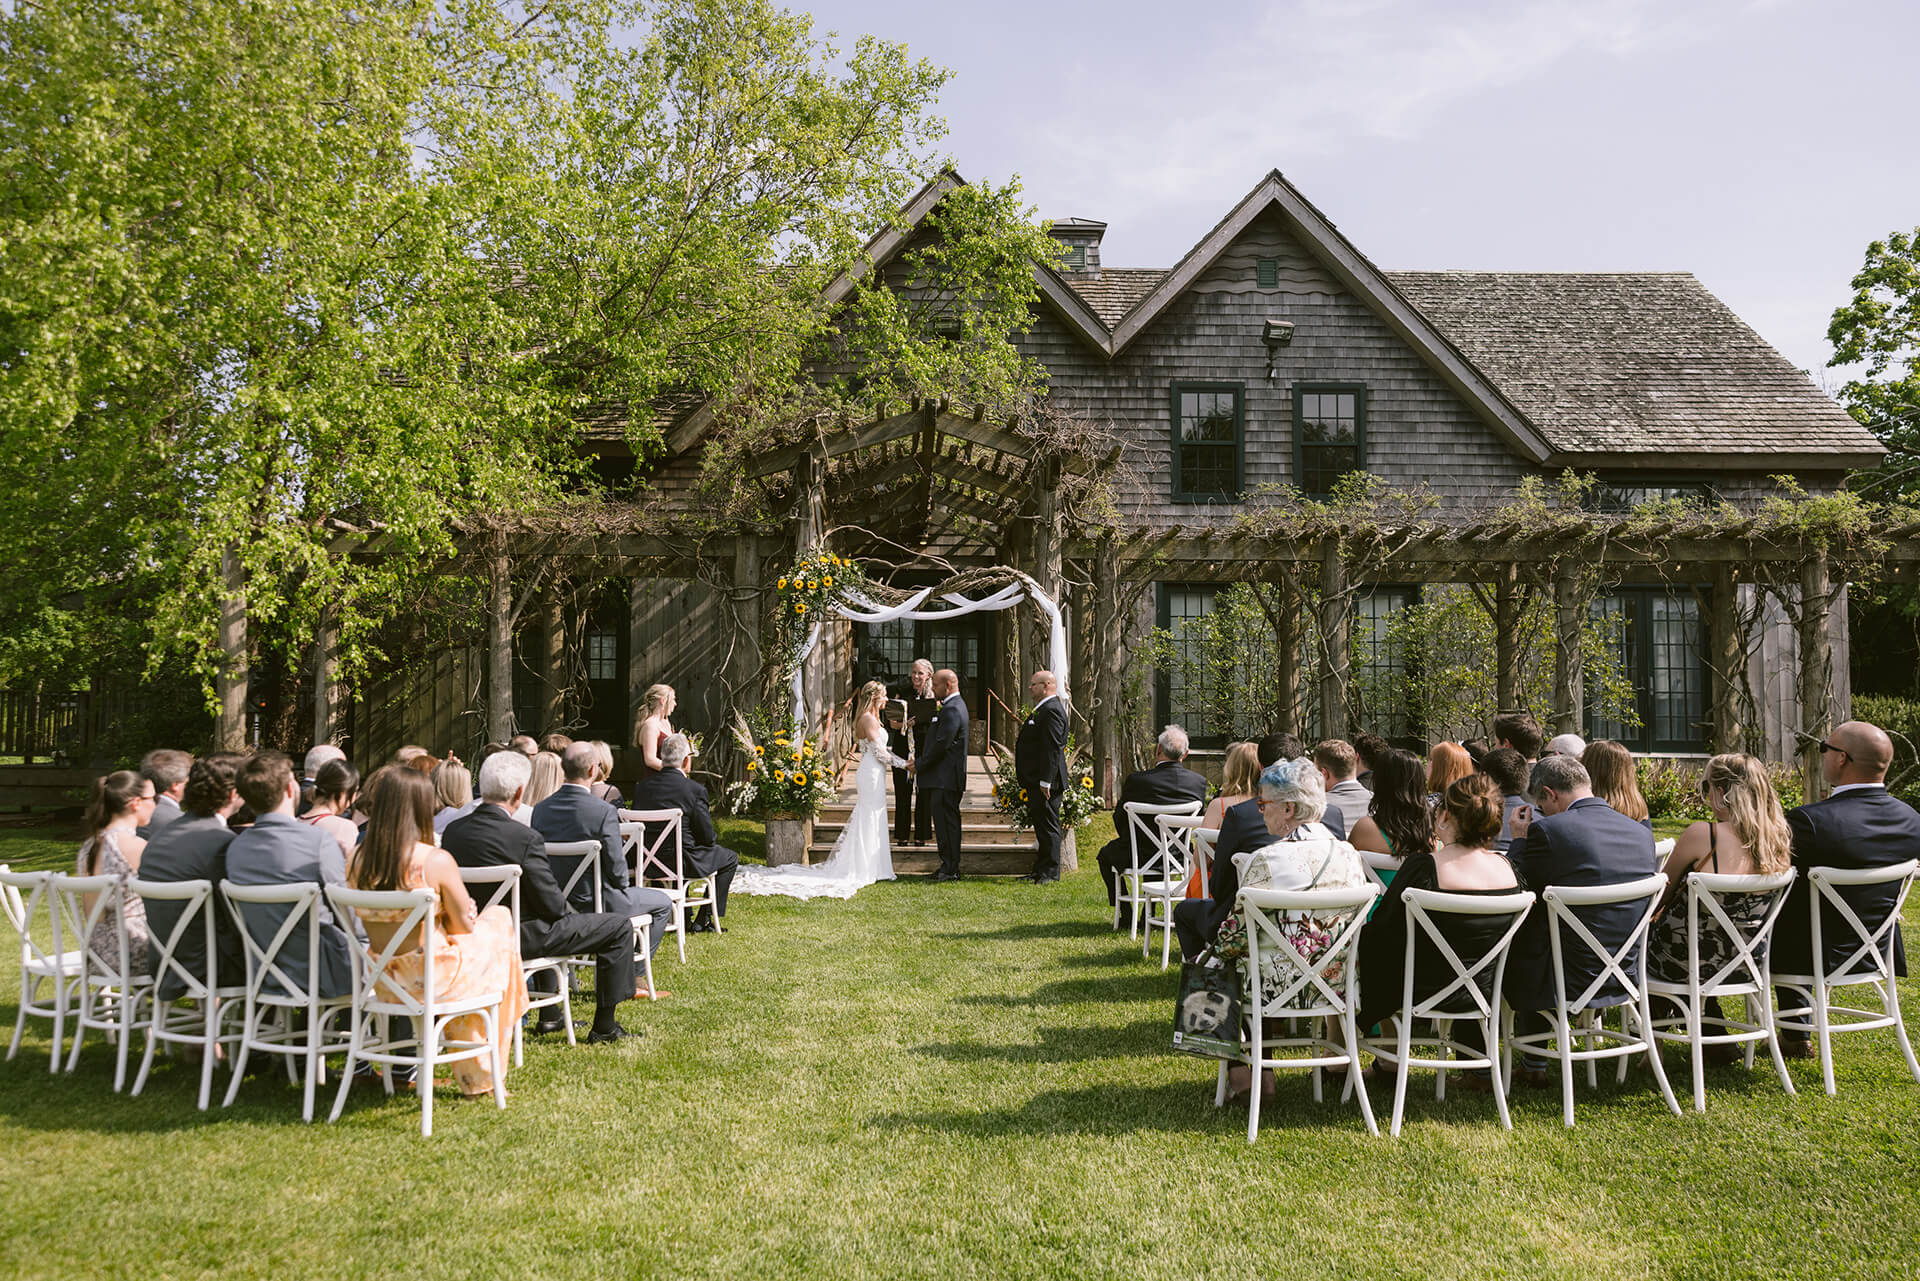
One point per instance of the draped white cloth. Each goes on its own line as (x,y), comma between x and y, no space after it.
(861,610)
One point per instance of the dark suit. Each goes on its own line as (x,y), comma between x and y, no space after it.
(281,850)
(1168,783)
(194,848)
(1857,828)
(575,814)
(1198,919)
(1589,843)
(489,837)
(941,768)
(701,850)
(907,824)
(1040,759)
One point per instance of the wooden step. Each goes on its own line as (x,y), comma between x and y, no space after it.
(825,834)
(988,860)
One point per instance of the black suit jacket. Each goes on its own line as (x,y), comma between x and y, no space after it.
(1168,783)
(1040,751)
(575,814)
(194,848)
(669,789)
(490,837)
(1242,829)
(1864,827)
(898,739)
(1589,843)
(942,763)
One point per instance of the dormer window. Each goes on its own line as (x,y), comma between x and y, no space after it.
(1074,258)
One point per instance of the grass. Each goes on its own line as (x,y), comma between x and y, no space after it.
(932,1080)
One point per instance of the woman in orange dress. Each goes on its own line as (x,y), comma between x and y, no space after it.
(474,953)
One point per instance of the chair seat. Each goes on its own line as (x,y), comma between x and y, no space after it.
(1852,978)
(67,963)
(471,1005)
(1666,988)
(1162,887)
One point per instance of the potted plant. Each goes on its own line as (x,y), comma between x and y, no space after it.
(789,777)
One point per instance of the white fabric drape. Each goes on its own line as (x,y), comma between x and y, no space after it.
(861,610)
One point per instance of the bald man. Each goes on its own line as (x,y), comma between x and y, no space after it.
(1859,825)
(1040,767)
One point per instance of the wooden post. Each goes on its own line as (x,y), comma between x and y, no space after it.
(231,681)
(326,678)
(1336,628)
(744,677)
(809,527)
(1106,675)
(500,650)
(1044,566)
(1507,605)
(553,623)
(1727,659)
(1816,668)
(1569,680)
(1286,652)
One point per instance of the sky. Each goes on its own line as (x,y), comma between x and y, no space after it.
(1760,144)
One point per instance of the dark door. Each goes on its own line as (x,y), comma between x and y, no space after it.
(885,652)
(603,647)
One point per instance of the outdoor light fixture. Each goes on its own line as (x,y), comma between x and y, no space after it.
(1276,334)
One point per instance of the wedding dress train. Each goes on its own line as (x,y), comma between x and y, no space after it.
(861,856)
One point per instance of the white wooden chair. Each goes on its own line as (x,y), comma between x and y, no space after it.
(1578,1017)
(1460,999)
(501,884)
(1177,837)
(1308,990)
(1149,858)
(304,1048)
(382,1003)
(22,895)
(574,862)
(646,855)
(170,1021)
(1868,963)
(110,993)
(1380,867)
(1744,975)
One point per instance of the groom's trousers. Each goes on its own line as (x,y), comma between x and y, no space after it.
(945,804)
(1043,811)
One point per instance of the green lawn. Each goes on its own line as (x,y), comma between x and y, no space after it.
(934,1080)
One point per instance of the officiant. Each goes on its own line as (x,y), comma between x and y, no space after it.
(904,739)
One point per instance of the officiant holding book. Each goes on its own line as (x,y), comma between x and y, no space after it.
(1040,767)
(908,716)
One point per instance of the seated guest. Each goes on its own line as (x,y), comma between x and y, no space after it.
(410,755)
(1338,763)
(195,849)
(333,795)
(1859,825)
(1371,749)
(1615,780)
(547,777)
(554,741)
(1747,836)
(1521,732)
(524,744)
(121,802)
(701,854)
(1445,763)
(1242,828)
(1168,782)
(1401,824)
(1237,778)
(572,814)
(1476,749)
(1508,770)
(549,926)
(1566,745)
(603,770)
(1569,836)
(281,850)
(317,757)
(453,789)
(1465,863)
(167,770)
(475,954)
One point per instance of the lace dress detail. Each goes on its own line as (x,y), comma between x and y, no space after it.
(862,855)
(105,940)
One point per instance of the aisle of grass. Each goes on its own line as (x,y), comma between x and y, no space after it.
(934,1080)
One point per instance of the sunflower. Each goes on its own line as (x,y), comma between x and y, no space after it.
(813,584)
(779,742)
(1023,793)
(779,776)
(752,766)
(796,753)
(828,580)
(782,584)
(799,607)
(761,751)
(1087,782)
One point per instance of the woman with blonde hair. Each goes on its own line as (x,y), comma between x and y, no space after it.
(545,779)
(1446,763)
(1615,780)
(653,724)
(453,788)
(602,771)
(1237,781)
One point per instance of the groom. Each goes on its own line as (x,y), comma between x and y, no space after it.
(941,770)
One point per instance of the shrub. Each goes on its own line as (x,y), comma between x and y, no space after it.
(1672,788)
(1900,717)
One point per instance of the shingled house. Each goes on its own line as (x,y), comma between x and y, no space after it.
(1274,354)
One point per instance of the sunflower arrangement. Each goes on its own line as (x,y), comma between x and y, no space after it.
(1077,804)
(786,773)
(807,591)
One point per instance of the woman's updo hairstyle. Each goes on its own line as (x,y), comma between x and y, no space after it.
(1477,809)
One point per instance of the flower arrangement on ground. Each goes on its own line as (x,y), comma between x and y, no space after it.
(1079,803)
(787,774)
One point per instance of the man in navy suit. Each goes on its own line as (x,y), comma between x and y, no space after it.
(1168,782)
(1040,767)
(1569,836)
(1859,825)
(1197,920)
(575,814)
(940,768)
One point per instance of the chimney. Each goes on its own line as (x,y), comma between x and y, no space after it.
(1079,245)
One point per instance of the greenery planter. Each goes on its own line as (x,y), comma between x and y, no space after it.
(788,836)
(1069,852)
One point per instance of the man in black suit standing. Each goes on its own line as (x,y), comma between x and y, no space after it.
(903,741)
(1040,767)
(489,837)
(1168,782)
(941,770)
(1859,825)
(1197,920)
(669,788)
(1569,836)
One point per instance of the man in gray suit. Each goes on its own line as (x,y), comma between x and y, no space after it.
(281,850)
(575,814)
(195,849)
(1338,762)
(166,769)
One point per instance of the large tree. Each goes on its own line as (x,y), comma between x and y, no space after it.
(266,265)
(1879,330)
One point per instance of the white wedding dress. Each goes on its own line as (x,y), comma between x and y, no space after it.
(861,856)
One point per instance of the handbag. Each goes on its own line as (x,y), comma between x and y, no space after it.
(1206,1014)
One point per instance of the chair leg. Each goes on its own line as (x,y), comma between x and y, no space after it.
(146,1059)
(84,1013)
(313,1067)
(354,1046)
(499,1067)
(1892,1005)
(20,1020)
(1402,1026)
(209,1049)
(1763,1002)
(249,1020)
(129,1000)
(1490,1035)
(1354,1074)
(1565,1046)
(1697,1051)
(1653,1055)
(1220,1086)
(1823,1034)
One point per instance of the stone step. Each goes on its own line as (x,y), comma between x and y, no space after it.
(972,833)
(988,860)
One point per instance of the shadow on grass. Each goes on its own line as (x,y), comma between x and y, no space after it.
(1069,929)
(1150,986)
(1180,1107)
(1059,1044)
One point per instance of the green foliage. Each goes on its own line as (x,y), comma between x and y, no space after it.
(805,593)
(787,774)
(1900,717)
(1078,804)
(1879,328)
(1672,788)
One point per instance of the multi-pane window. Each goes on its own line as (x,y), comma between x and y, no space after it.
(1623,496)
(885,652)
(1657,641)
(1186,687)
(955,651)
(1208,427)
(1379,669)
(1329,434)
(1073,258)
(603,656)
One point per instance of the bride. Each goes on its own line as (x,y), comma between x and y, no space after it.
(863,853)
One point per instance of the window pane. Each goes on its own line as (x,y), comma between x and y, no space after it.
(1188,690)
(1209,450)
(1379,664)
(603,656)
(1675,685)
